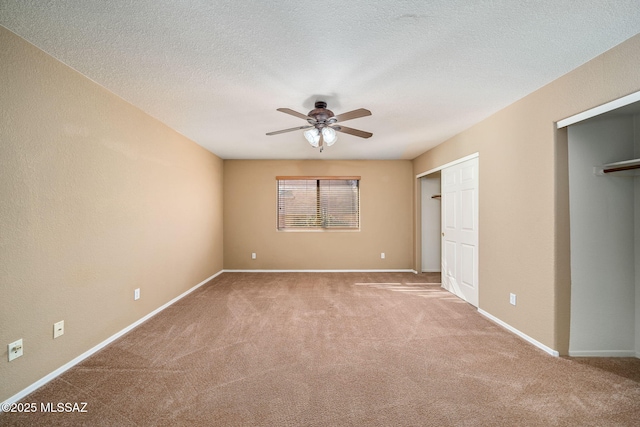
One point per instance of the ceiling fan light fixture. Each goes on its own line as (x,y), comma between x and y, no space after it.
(329,135)
(313,136)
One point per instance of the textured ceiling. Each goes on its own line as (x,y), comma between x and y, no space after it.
(217,70)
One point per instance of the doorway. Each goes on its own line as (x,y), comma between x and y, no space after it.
(431,224)
(605,234)
(449,241)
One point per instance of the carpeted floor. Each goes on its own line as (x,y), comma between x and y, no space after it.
(334,349)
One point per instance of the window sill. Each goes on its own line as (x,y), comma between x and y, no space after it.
(318,230)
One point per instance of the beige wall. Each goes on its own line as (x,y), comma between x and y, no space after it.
(250,217)
(524,245)
(97,198)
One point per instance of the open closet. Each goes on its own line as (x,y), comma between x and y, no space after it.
(449,239)
(604,201)
(430,199)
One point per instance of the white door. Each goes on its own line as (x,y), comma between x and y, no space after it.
(460,230)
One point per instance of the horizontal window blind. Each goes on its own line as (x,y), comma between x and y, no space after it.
(323,203)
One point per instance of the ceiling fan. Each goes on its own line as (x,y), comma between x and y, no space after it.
(322,125)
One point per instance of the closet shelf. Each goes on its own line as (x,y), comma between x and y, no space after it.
(625,168)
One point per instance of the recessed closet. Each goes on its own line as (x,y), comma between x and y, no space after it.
(604,201)
(431,206)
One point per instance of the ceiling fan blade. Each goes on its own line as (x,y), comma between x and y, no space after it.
(294,113)
(360,112)
(351,131)
(289,130)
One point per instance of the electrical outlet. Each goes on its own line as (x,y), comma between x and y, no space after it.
(14,350)
(136,294)
(512,299)
(58,329)
(253,255)
(382,255)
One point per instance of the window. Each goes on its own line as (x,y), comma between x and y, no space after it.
(318,203)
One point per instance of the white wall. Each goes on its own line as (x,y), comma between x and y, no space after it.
(603,278)
(431,246)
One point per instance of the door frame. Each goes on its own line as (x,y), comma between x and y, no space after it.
(446,165)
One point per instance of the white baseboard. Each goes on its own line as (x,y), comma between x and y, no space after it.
(520,334)
(432,271)
(323,271)
(42,381)
(603,353)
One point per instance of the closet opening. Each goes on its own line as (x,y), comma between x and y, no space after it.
(604,206)
(430,204)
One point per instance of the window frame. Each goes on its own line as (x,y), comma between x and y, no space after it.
(316,229)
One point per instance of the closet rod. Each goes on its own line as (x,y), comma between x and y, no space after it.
(621,168)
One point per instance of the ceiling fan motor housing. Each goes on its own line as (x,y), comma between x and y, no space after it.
(320,114)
